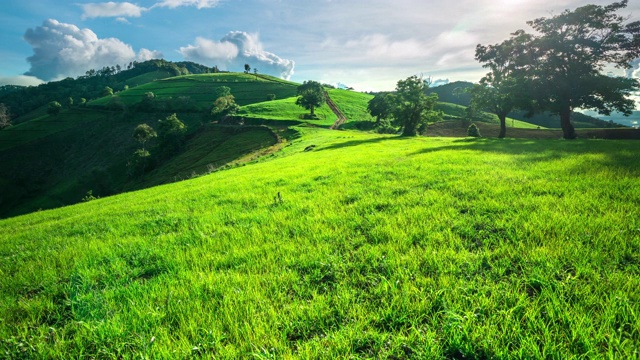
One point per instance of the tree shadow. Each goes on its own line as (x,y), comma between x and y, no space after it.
(613,154)
(361,142)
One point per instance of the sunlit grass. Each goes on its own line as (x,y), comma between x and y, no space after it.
(362,246)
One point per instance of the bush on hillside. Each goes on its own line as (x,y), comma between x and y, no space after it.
(473,131)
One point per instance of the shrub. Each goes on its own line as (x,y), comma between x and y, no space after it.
(473,131)
(139,163)
(271,97)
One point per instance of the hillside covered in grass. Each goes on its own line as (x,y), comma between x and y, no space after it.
(365,246)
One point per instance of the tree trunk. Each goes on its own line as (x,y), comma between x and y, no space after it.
(568,132)
(312,108)
(503,125)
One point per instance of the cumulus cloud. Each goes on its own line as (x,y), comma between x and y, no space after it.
(111,9)
(22,80)
(200,4)
(62,50)
(236,49)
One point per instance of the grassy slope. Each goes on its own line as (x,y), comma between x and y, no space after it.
(246,88)
(457,111)
(380,247)
(51,162)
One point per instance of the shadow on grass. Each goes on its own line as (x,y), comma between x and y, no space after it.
(618,154)
(361,142)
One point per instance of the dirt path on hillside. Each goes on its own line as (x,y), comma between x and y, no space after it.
(341,118)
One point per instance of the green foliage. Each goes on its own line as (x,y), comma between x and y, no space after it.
(311,95)
(69,102)
(563,62)
(83,102)
(143,133)
(5,117)
(222,91)
(139,163)
(473,131)
(271,97)
(54,108)
(381,106)
(385,127)
(171,135)
(224,106)
(412,105)
(107,91)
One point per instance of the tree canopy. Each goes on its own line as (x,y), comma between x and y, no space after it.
(562,64)
(310,96)
(144,133)
(413,106)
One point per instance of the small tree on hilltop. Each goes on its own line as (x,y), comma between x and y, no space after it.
(5,117)
(413,107)
(247,68)
(310,96)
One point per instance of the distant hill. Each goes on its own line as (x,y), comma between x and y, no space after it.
(454,93)
(22,100)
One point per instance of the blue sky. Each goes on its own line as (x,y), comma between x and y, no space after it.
(365,44)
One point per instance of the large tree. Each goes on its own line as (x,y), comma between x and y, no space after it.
(503,88)
(310,96)
(413,106)
(566,58)
(381,106)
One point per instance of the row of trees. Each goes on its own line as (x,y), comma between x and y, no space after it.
(561,66)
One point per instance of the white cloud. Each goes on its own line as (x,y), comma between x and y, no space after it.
(22,80)
(111,9)
(236,49)
(200,4)
(63,50)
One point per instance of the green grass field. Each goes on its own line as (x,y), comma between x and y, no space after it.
(366,246)
(246,88)
(458,111)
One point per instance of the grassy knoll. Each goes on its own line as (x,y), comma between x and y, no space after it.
(286,109)
(201,89)
(352,104)
(366,246)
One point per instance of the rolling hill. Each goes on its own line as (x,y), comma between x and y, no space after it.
(361,246)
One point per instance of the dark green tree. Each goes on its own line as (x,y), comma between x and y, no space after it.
(222,91)
(107,91)
(311,95)
(247,68)
(224,106)
(171,135)
(83,102)
(5,117)
(143,133)
(54,108)
(381,106)
(565,59)
(70,102)
(413,106)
